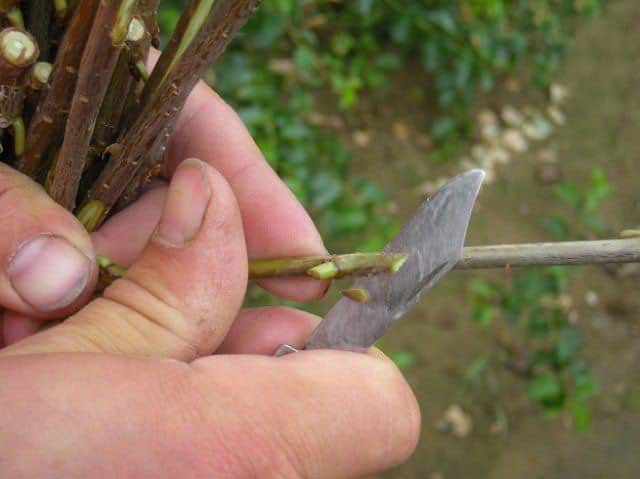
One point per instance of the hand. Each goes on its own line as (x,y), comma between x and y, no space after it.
(55,274)
(134,390)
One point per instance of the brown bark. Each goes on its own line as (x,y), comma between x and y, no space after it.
(202,34)
(99,59)
(38,21)
(6,5)
(46,127)
(37,81)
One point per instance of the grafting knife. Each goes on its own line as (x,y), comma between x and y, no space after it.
(433,238)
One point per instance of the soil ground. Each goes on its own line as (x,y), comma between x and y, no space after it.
(601,70)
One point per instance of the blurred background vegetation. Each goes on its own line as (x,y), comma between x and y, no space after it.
(292,48)
(363,107)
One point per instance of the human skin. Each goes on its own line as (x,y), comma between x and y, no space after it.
(166,375)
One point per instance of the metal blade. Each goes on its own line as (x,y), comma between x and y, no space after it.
(434,238)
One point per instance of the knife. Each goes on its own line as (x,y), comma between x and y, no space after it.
(433,238)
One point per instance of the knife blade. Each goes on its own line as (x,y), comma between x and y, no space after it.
(433,238)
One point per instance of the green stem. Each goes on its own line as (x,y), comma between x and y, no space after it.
(319,267)
(19,135)
(15,18)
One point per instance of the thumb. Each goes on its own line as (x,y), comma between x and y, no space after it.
(180,298)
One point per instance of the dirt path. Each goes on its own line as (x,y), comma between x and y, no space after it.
(602,71)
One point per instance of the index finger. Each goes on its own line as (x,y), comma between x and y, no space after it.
(275,223)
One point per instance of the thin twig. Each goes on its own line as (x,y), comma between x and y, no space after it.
(559,253)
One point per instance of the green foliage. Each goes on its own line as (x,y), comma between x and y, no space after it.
(545,346)
(292,48)
(403,359)
(583,203)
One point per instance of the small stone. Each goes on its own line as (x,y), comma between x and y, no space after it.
(513,140)
(547,156)
(479,154)
(537,128)
(282,66)
(499,155)
(565,301)
(400,131)
(511,116)
(361,138)
(490,133)
(591,298)
(456,421)
(558,93)
(556,115)
(572,316)
(486,117)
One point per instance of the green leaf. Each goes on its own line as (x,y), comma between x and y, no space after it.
(593,223)
(547,389)
(444,128)
(568,193)
(585,386)
(304,58)
(482,289)
(342,43)
(581,414)
(557,227)
(598,191)
(401,29)
(567,345)
(325,189)
(477,368)
(403,359)
(483,314)
(442,19)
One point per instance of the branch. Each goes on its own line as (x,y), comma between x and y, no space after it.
(202,34)
(99,59)
(319,267)
(327,267)
(473,257)
(46,127)
(560,253)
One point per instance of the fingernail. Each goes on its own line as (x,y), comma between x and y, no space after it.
(48,272)
(185,206)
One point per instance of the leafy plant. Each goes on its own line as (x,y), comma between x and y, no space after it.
(584,203)
(544,346)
